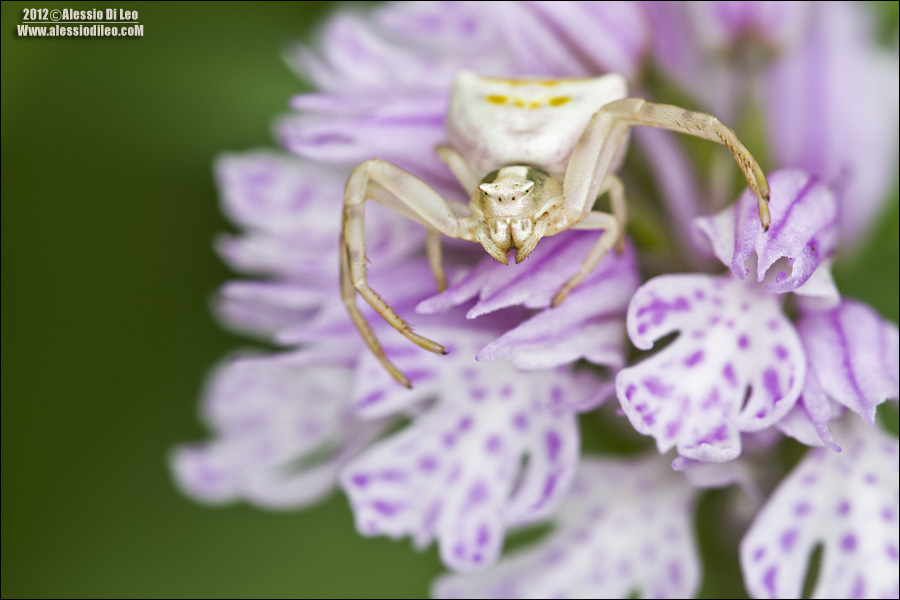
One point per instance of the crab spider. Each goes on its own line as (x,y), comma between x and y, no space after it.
(534,155)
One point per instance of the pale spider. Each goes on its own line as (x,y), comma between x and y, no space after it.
(535,155)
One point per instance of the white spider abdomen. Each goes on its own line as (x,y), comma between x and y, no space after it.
(497,122)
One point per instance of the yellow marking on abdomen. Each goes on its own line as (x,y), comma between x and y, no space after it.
(530,104)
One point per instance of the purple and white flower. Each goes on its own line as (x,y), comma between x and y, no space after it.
(491,440)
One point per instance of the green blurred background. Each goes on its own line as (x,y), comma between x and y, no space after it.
(108,212)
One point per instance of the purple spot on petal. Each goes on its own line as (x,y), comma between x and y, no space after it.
(484,535)
(553,445)
(386,508)
(642,328)
(465,423)
(770,382)
(772,324)
(657,387)
(859,588)
(392,475)
(769,581)
(699,294)
(478,394)
(459,550)
(431,516)
(721,433)
(454,475)
(371,398)
(849,543)
(780,352)
(787,539)
(802,509)
(556,395)
(745,306)
(478,493)
(421,375)
(843,508)
(675,573)
(809,479)
(781,277)
(759,554)
(549,486)
(493,443)
(520,421)
(728,373)
(660,307)
(892,552)
(761,413)
(694,359)
(672,428)
(629,391)
(870,478)
(506,391)
(360,480)
(743,342)
(712,400)
(428,464)
(553,556)
(887,514)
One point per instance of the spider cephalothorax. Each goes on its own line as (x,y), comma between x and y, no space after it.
(534,155)
(514,203)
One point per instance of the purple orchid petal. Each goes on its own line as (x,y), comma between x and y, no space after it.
(808,420)
(737,364)
(719,475)
(265,307)
(590,324)
(457,474)
(403,132)
(719,25)
(704,46)
(803,231)
(833,112)
(273,193)
(269,414)
(849,503)
(289,208)
(432,41)
(402,285)
(533,283)
(625,529)
(854,354)
(603,37)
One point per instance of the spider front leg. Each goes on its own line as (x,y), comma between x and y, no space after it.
(395,188)
(594,153)
(613,227)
